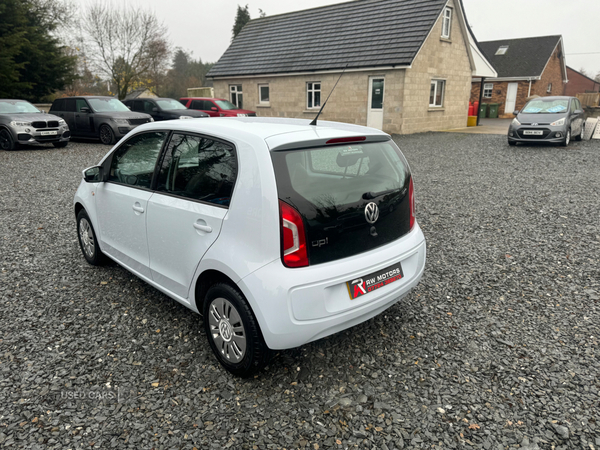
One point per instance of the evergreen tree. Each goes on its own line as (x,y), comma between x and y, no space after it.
(241,18)
(33,63)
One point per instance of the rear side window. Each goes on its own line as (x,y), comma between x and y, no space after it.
(197,104)
(133,163)
(58,105)
(70,105)
(198,168)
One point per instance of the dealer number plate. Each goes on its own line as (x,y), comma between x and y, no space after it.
(49,133)
(533,132)
(361,286)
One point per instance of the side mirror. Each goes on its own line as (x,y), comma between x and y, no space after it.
(155,109)
(93,174)
(578,111)
(85,109)
(129,107)
(516,113)
(214,108)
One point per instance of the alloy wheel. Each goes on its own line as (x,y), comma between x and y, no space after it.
(86,236)
(5,140)
(227,329)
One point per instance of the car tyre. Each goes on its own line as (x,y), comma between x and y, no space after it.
(512,143)
(6,140)
(88,241)
(579,137)
(233,331)
(567,139)
(107,137)
(60,144)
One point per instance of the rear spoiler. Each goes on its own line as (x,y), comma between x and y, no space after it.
(323,141)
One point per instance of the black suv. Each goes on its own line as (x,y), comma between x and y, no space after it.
(104,118)
(163,108)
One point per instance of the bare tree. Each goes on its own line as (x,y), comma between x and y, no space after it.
(127,44)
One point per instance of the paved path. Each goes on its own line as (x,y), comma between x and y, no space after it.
(486,126)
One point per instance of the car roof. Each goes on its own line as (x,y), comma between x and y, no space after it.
(279,133)
(13,100)
(88,96)
(203,98)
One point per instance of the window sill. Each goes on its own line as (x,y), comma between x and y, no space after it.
(436,108)
(311,111)
(263,105)
(443,39)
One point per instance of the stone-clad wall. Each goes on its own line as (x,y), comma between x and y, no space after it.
(348,103)
(438,59)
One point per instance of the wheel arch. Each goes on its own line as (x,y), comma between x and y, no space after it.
(78,207)
(204,282)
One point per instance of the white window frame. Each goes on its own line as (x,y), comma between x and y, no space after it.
(234,92)
(488,90)
(447,23)
(549,90)
(437,83)
(260,99)
(310,91)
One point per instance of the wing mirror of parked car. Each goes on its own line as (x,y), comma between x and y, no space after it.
(578,111)
(516,113)
(93,174)
(85,109)
(214,108)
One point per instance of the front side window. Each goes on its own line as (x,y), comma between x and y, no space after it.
(80,103)
(148,106)
(263,93)
(487,90)
(198,168)
(133,162)
(107,105)
(235,91)
(447,23)
(436,95)
(313,95)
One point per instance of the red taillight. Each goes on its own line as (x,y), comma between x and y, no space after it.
(293,251)
(411,199)
(346,139)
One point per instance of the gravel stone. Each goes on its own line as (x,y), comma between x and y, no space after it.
(502,333)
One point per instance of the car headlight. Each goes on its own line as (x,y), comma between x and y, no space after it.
(120,121)
(16,123)
(185,117)
(151,119)
(558,123)
(61,122)
(516,123)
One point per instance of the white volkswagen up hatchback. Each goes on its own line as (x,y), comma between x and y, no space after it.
(277,231)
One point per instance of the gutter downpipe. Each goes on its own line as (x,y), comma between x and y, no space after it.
(529,92)
(480,97)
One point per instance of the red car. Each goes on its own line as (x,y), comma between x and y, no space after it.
(215,107)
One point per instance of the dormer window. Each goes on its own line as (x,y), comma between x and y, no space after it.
(446,23)
(502,50)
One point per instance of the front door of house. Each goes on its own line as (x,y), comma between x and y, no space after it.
(511,98)
(375,106)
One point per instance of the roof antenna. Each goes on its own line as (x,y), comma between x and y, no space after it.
(314,122)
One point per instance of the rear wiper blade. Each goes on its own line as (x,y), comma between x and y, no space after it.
(372,195)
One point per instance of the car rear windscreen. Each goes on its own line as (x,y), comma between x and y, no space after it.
(331,188)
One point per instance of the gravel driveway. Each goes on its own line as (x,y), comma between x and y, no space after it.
(496,348)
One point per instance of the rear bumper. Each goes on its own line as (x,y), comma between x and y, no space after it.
(297,306)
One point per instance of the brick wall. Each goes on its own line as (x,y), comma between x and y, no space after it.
(553,74)
(579,84)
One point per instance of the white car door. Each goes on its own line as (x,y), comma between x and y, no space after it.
(194,187)
(122,201)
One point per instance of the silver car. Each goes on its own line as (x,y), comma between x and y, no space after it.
(548,120)
(23,123)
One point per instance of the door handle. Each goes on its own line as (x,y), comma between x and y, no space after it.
(201,226)
(137,208)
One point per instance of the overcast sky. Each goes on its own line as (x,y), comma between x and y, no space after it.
(204,26)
